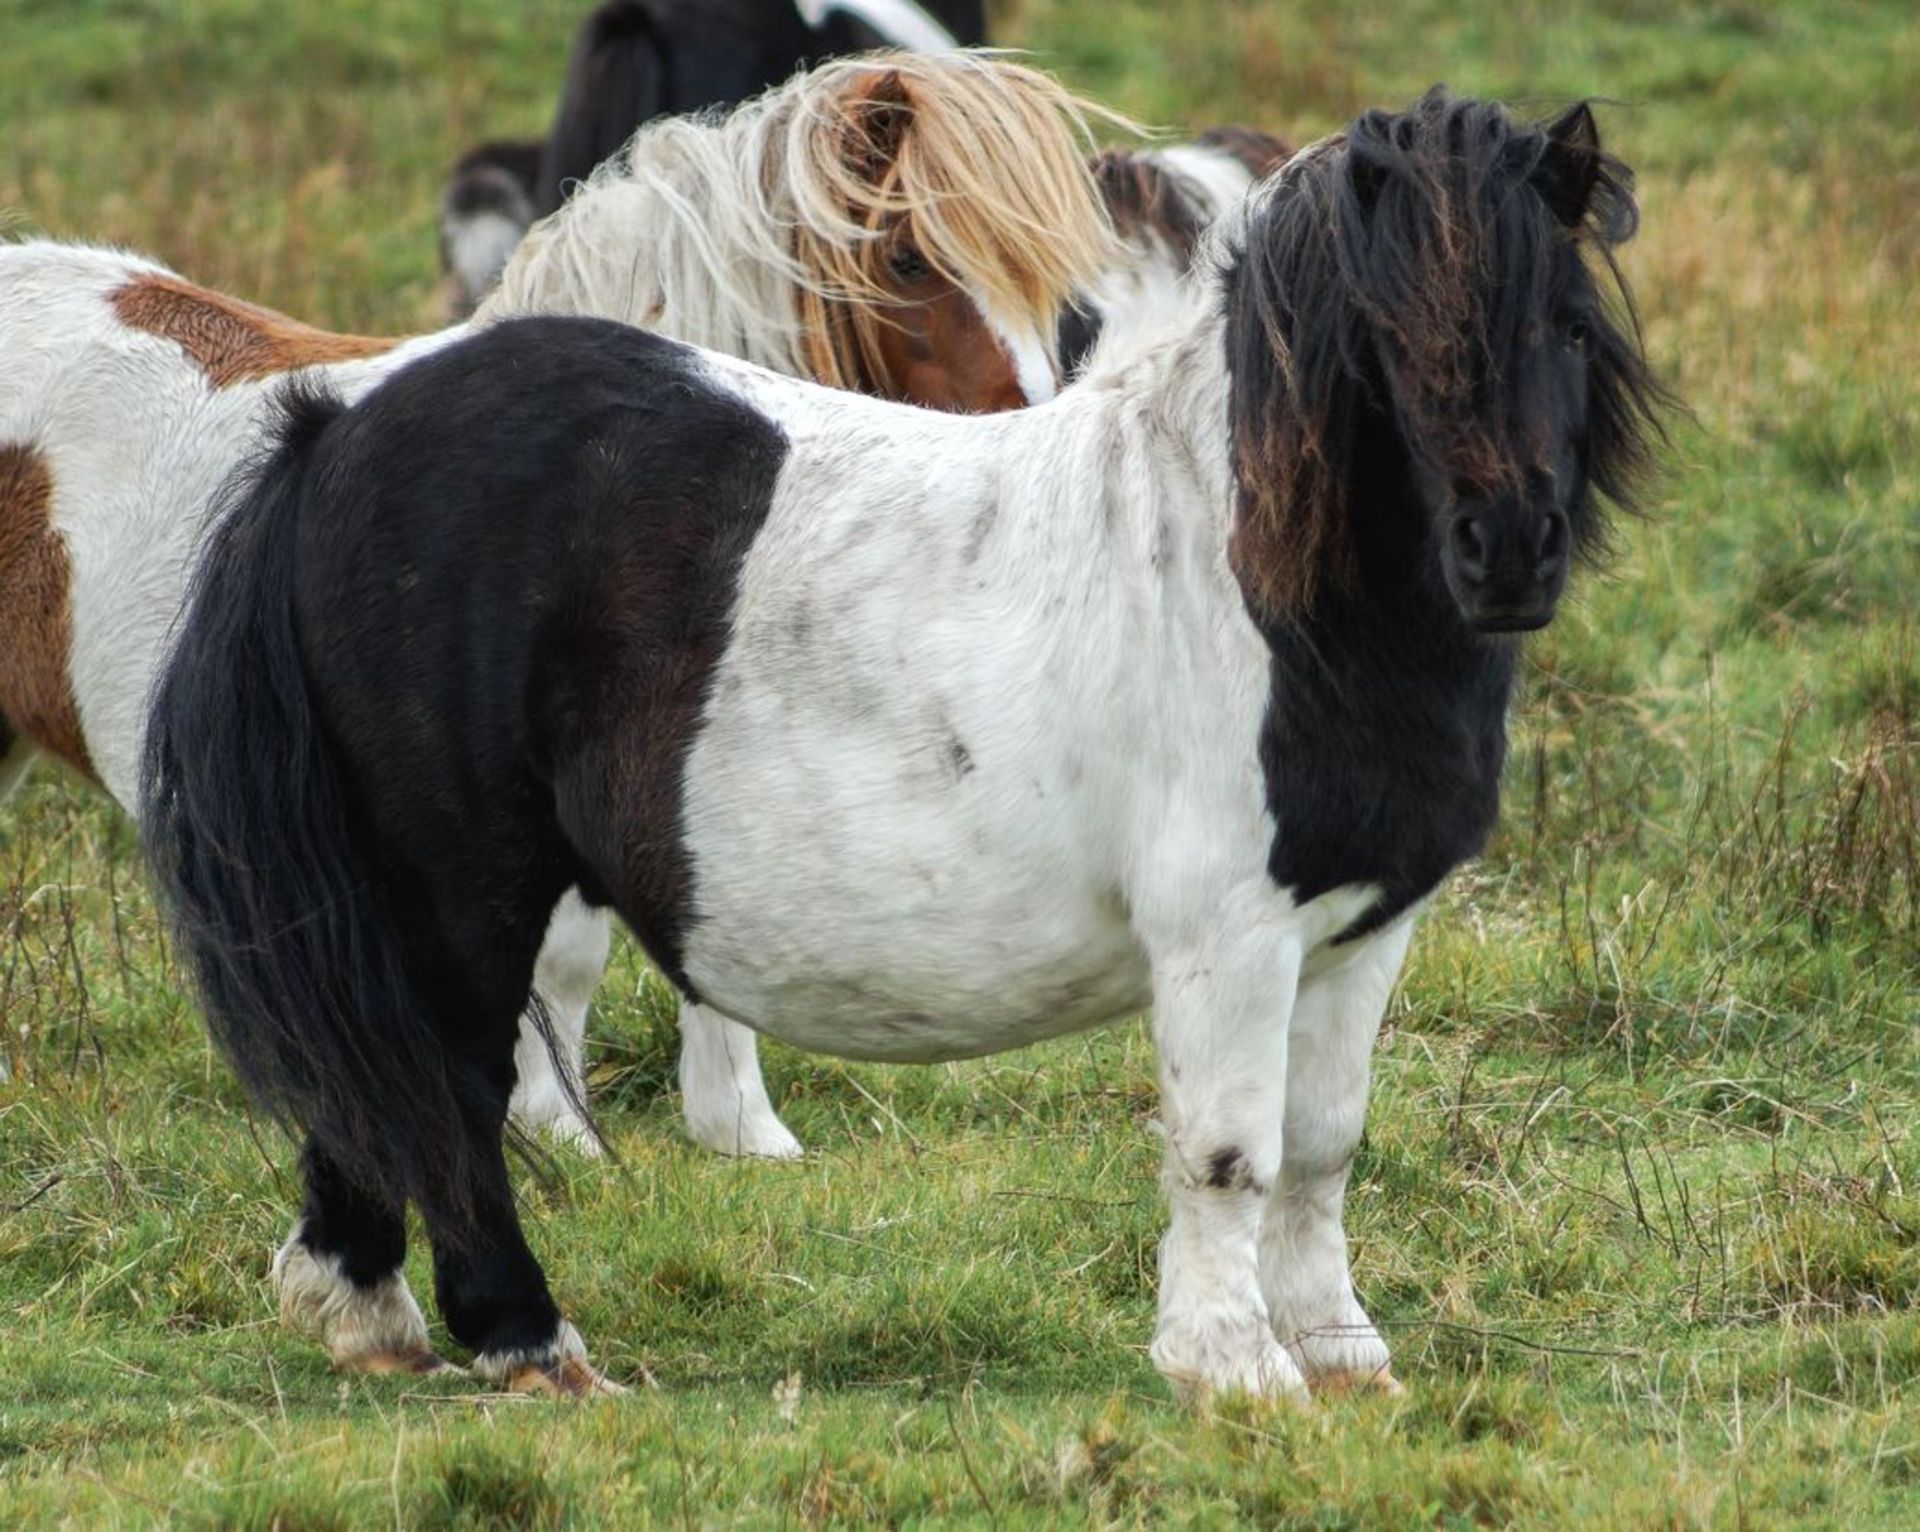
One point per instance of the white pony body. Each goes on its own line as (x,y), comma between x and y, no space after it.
(968,746)
(1010,791)
(913,738)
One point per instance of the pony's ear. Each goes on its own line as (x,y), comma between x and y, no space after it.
(879,111)
(1571,165)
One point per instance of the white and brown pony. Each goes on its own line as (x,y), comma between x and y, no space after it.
(1161,200)
(905,735)
(907,227)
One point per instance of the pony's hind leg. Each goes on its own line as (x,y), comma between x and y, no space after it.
(475,957)
(723,1091)
(1303,1243)
(473,932)
(572,959)
(491,1290)
(339,1277)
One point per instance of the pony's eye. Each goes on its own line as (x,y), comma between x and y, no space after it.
(1577,332)
(908,264)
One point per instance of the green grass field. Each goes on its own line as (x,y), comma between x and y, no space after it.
(1639,1205)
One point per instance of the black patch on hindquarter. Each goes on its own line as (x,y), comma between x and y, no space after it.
(514,604)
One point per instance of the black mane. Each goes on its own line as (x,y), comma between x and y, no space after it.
(1361,293)
(1388,292)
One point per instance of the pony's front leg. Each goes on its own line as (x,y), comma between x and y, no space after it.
(722,1090)
(1303,1242)
(1220,1009)
(572,959)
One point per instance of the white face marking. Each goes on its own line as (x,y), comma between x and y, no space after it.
(479,247)
(1031,356)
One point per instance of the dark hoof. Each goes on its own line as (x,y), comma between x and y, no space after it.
(568,1378)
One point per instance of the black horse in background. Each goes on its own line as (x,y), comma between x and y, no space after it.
(634,60)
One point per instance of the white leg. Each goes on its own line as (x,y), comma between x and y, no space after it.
(572,959)
(722,1090)
(1220,1024)
(364,1329)
(1303,1241)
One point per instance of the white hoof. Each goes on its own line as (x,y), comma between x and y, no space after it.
(558,1370)
(1205,1361)
(572,1132)
(723,1092)
(758,1135)
(373,1329)
(1338,1353)
(544,1109)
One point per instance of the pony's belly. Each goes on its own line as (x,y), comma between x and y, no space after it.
(920,990)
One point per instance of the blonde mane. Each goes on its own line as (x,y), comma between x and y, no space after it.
(765,233)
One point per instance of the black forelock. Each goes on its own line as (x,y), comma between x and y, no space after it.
(1403,267)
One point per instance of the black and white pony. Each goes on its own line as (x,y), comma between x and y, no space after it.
(635,60)
(902,735)
(911,226)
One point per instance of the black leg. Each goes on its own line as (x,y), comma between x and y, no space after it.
(366,1235)
(490,1288)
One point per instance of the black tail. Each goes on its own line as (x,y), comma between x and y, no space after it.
(252,834)
(616,80)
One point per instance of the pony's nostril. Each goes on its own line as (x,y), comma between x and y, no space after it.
(1469,547)
(1552,545)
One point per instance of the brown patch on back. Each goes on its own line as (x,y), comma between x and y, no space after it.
(36,622)
(233,341)
(1145,201)
(1259,152)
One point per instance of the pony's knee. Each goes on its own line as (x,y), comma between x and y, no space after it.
(1223,1158)
(1321,1139)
